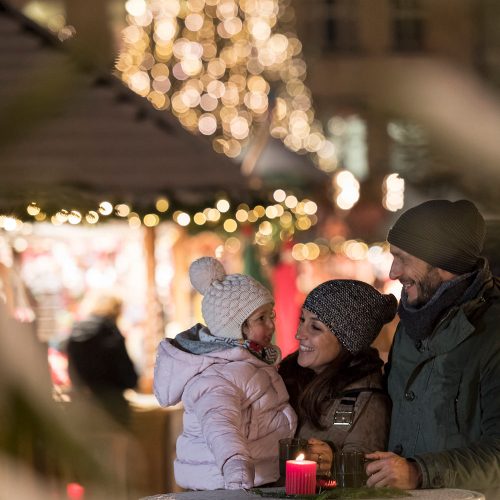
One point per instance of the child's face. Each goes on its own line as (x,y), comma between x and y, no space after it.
(259,326)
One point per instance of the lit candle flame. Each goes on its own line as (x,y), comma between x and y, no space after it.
(300,457)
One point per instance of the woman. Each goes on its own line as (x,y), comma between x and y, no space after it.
(334,379)
(98,360)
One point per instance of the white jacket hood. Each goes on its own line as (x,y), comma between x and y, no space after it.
(175,367)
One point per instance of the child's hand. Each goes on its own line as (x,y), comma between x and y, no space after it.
(238,473)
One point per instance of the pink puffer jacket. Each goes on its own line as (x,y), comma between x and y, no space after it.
(235,412)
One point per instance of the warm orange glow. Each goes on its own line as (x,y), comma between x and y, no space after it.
(233,53)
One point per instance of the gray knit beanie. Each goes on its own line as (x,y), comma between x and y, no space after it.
(445,234)
(354,311)
(228,299)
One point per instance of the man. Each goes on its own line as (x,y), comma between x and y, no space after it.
(444,367)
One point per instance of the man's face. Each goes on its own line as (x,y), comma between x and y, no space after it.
(419,279)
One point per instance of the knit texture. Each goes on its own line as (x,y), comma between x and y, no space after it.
(445,234)
(353,310)
(228,299)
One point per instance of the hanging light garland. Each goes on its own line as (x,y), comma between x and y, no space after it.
(280,219)
(224,67)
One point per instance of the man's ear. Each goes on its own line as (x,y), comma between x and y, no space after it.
(446,275)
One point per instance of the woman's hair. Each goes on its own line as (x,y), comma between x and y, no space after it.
(310,393)
(107,304)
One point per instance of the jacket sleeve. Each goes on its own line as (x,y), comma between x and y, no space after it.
(123,371)
(388,365)
(477,465)
(217,404)
(162,374)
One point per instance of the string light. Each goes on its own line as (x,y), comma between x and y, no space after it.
(272,222)
(33,209)
(134,220)
(279,195)
(223,67)
(223,206)
(267,229)
(214,63)
(9,223)
(74,217)
(151,220)
(105,208)
(62,216)
(92,217)
(346,190)
(394,189)
(122,210)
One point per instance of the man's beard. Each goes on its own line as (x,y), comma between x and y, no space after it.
(427,287)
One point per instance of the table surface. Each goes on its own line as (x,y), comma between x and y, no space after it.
(438,494)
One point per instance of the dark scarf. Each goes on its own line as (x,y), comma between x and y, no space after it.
(419,323)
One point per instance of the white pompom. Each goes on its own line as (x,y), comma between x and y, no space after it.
(204,271)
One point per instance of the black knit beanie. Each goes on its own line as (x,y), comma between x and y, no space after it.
(353,310)
(445,234)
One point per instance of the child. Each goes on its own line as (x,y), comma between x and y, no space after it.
(235,403)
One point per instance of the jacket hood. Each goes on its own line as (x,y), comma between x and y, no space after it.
(199,340)
(175,366)
(91,327)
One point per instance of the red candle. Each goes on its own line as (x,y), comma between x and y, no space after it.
(75,491)
(300,476)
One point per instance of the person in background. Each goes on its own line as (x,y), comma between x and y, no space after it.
(44,449)
(444,366)
(335,378)
(235,403)
(98,361)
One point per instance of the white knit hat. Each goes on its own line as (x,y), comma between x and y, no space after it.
(229,299)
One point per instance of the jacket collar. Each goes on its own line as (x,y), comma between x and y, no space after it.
(461,292)
(458,323)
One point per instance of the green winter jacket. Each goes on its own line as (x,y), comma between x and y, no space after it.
(446,397)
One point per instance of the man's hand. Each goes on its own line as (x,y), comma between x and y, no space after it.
(321,453)
(391,470)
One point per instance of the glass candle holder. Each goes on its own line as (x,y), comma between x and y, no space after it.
(290,449)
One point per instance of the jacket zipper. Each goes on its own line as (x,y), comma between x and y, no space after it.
(455,404)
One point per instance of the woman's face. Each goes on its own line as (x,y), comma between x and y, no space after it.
(318,347)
